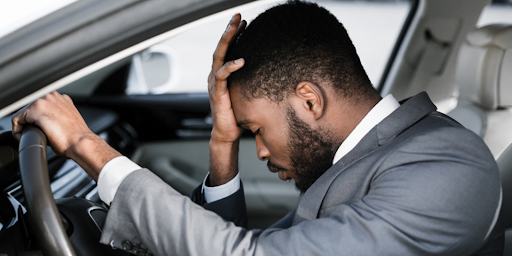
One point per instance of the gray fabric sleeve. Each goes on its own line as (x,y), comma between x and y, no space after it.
(231,208)
(148,212)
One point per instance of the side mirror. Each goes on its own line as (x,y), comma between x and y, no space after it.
(152,71)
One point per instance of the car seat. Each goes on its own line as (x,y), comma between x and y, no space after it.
(484,79)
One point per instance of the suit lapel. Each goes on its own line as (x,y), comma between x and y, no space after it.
(410,112)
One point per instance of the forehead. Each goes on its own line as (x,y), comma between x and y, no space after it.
(258,111)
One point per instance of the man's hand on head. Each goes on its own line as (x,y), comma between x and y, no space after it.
(66,130)
(225,132)
(225,128)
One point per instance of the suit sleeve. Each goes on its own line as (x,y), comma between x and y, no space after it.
(231,208)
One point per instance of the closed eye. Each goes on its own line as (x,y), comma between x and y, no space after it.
(256,132)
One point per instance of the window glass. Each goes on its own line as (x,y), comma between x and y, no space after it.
(182,63)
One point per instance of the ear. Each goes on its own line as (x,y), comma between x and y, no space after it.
(311,98)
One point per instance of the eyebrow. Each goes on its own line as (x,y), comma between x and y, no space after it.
(243,123)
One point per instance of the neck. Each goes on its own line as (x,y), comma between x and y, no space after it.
(347,114)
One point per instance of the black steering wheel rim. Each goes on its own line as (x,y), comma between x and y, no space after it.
(42,210)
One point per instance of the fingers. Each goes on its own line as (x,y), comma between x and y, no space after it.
(18,120)
(239,30)
(232,29)
(35,111)
(224,72)
(67,98)
(224,121)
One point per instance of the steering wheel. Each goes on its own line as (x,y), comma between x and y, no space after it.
(42,211)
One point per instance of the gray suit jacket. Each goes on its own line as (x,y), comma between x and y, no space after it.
(417,184)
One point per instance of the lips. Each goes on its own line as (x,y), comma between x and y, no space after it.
(279,169)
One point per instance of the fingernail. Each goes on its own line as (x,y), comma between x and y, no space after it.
(238,61)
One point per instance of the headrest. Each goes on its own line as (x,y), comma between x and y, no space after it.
(484,68)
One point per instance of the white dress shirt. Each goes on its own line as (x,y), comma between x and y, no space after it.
(380,111)
(117,169)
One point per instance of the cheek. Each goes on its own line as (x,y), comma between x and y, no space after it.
(277,144)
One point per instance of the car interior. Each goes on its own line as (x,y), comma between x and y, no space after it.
(141,103)
(484,99)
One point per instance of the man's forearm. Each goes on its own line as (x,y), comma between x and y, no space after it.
(223,161)
(92,153)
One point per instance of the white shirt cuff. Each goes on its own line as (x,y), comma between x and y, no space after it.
(112,175)
(212,194)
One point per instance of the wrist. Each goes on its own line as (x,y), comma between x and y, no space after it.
(221,142)
(224,148)
(223,161)
(226,138)
(79,145)
(92,153)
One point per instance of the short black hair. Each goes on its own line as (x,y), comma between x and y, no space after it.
(294,42)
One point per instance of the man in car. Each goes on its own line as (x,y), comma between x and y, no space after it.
(376,177)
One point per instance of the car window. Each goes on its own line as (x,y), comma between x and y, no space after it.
(182,63)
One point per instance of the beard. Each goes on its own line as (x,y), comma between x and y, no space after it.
(311,151)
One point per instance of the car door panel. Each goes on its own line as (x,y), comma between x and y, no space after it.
(184,165)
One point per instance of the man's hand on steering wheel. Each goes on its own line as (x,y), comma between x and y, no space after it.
(66,130)
(56,115)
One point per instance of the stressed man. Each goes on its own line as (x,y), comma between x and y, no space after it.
(376,177)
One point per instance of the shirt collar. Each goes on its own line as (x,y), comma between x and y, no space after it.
(380,111)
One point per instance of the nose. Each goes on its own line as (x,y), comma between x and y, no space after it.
(261,150)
